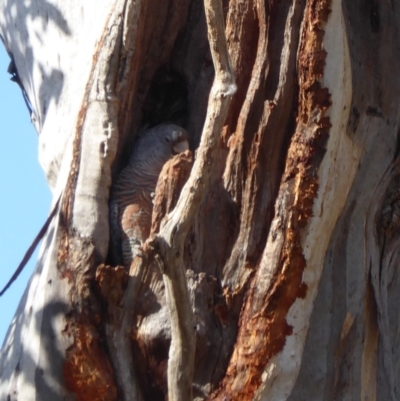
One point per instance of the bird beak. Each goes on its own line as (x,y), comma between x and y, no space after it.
(181,146)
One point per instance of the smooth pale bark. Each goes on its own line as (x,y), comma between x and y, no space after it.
(291,256)
(43,38)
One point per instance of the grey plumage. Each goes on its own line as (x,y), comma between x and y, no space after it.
(131,195)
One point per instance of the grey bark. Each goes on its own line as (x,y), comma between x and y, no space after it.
(291,257)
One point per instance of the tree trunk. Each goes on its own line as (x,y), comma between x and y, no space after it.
(283,239)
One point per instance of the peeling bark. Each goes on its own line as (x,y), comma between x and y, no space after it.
(283,231)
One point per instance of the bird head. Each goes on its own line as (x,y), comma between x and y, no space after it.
(177,138)
(158,144)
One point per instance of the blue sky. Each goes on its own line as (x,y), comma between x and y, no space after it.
(25,197)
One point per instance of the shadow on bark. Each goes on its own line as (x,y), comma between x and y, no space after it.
(16,14)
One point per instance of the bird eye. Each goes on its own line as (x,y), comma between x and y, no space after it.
(167,139)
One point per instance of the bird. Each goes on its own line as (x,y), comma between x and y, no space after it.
(131,197)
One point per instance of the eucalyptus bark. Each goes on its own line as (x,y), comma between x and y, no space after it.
(286,236)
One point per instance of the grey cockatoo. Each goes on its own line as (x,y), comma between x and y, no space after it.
(131,196)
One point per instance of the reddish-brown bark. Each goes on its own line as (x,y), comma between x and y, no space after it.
(262,188)
(262,325)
